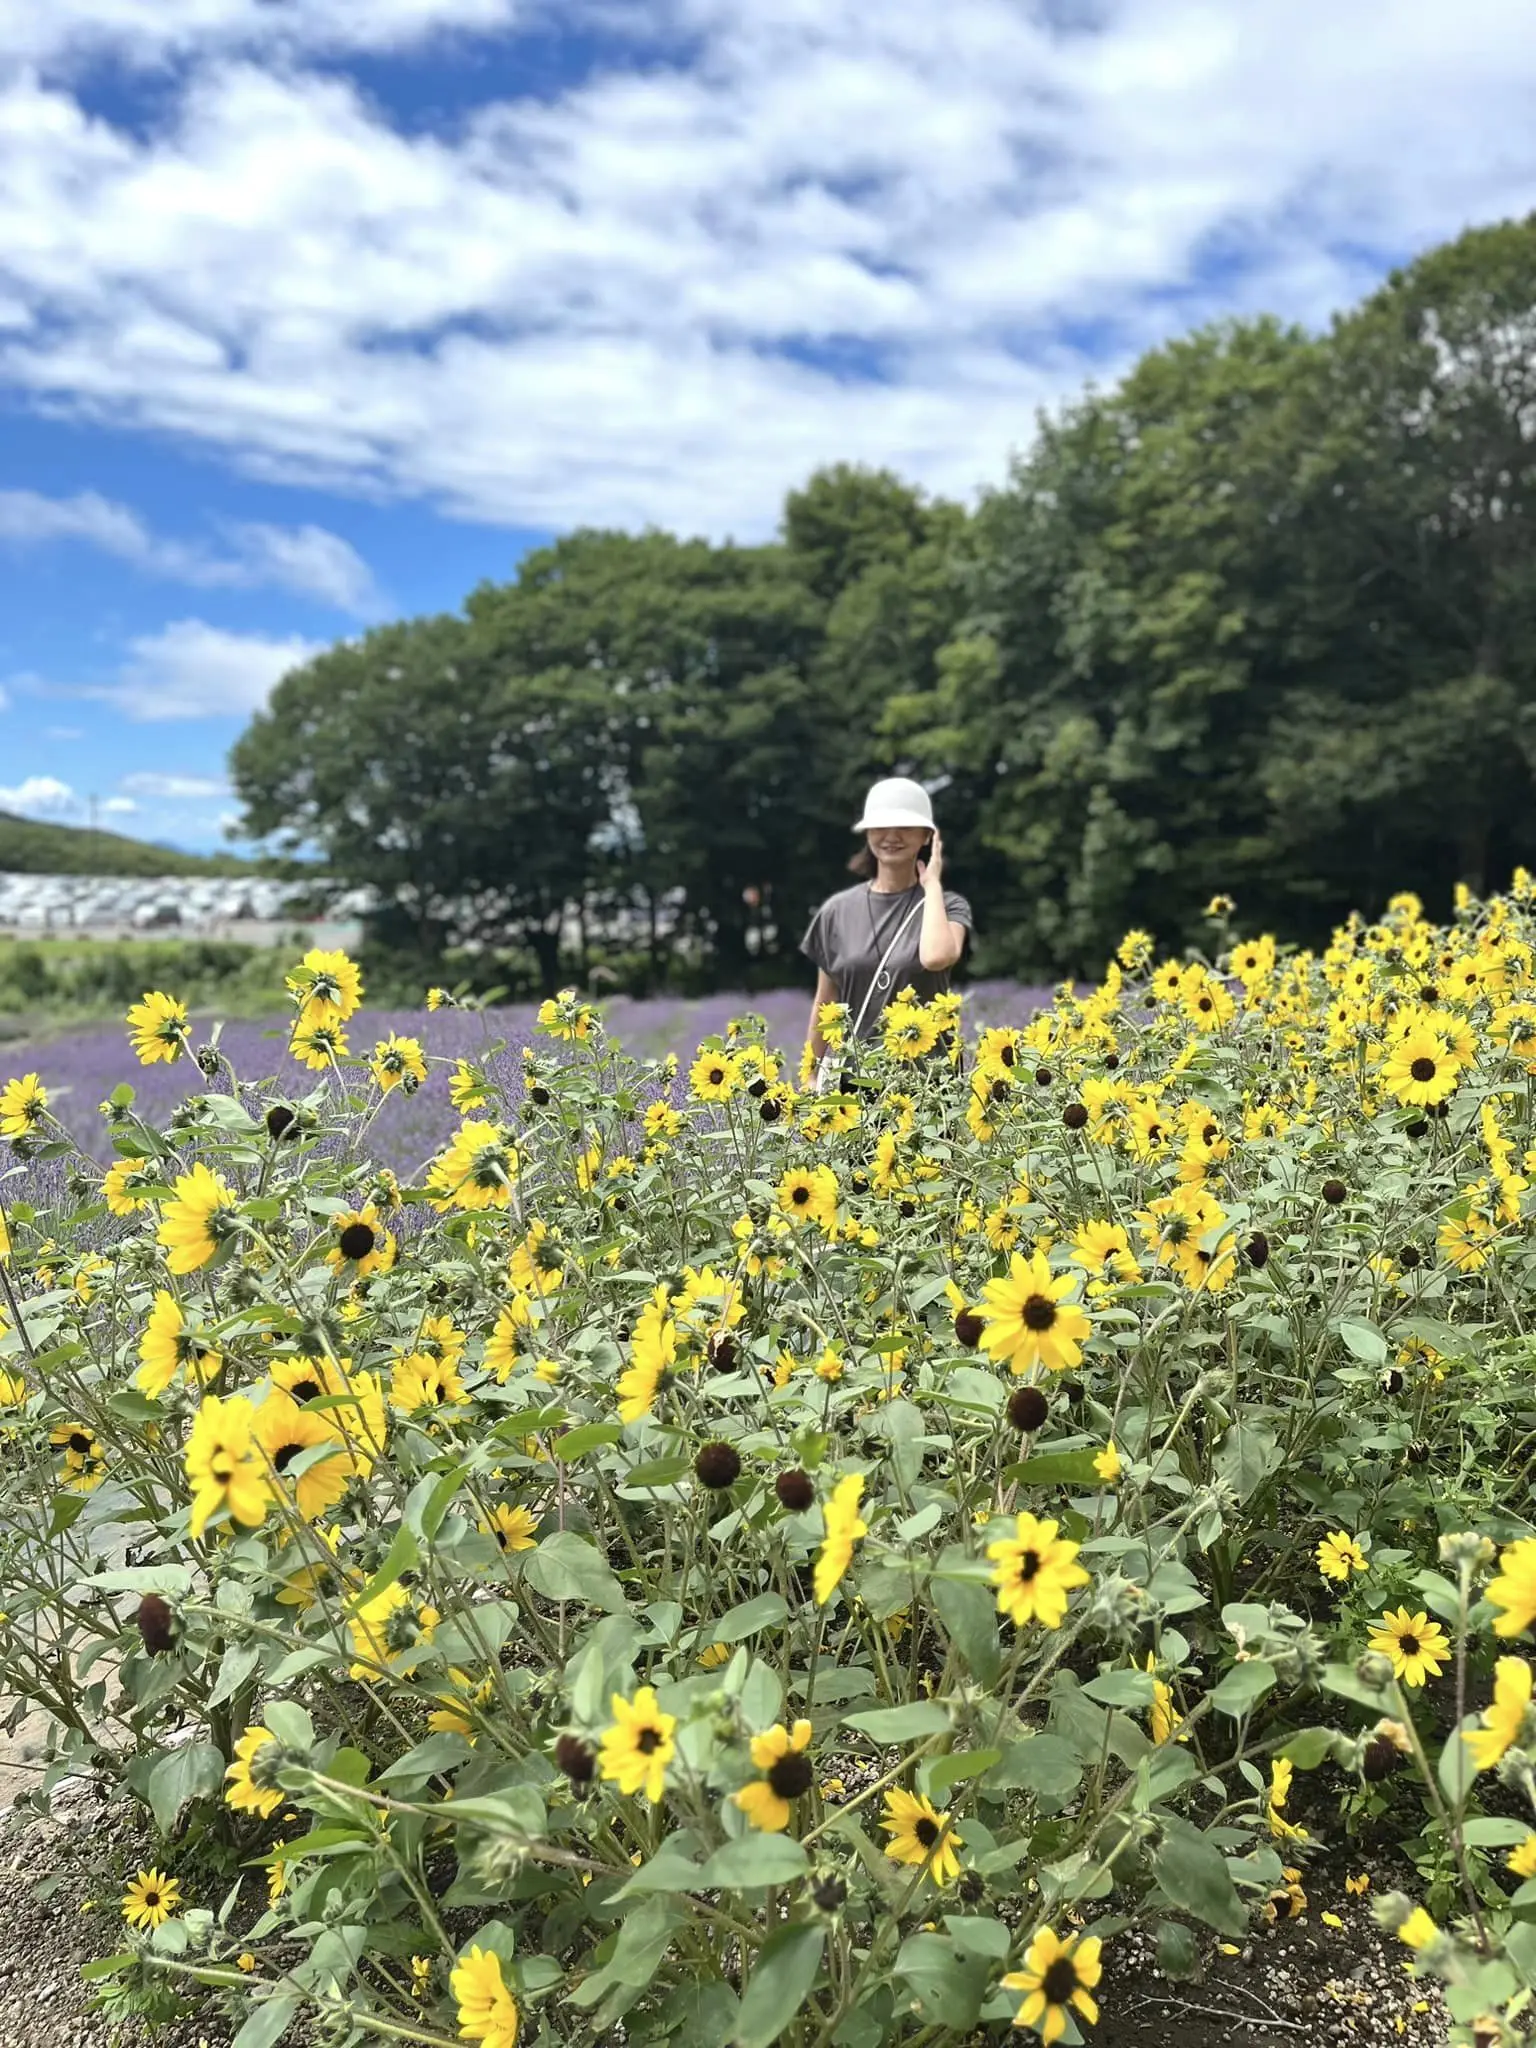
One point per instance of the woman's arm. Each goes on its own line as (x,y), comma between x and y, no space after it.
(940,941)
(826,992)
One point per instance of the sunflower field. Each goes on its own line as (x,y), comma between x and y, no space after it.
(701,1560)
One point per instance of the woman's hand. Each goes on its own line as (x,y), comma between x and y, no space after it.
(930,872)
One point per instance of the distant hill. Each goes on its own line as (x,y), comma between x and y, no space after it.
(30,848)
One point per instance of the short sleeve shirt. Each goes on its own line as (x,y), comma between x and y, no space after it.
(848,936)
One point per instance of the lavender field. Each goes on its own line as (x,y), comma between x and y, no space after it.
(80,1067)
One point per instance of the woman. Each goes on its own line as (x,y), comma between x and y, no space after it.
(900,929)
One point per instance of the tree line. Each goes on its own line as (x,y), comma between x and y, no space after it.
(1259,619)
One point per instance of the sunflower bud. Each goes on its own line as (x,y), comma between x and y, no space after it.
(1027,1409)
(796,1490)
(718,1466)
(157,1625)
(968,1328)
(1074,1116)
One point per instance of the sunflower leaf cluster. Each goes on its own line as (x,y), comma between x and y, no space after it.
(748,1564)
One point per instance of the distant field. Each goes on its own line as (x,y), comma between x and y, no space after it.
(81,1066)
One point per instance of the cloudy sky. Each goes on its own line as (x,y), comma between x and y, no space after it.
(314,312)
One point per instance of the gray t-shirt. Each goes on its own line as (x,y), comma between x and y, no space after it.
(848,936)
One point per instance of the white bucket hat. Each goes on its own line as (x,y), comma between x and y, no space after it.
(896,801)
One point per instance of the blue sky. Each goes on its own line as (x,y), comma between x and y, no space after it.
(317,312)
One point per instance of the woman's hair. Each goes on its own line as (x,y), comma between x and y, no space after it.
(863,863)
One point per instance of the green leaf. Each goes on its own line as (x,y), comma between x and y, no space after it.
(1243,1687)
(267,2025)
(1193,1873)
(1056,1468)
(969,1612)
(403,1555)
(566,1567)
(947,1985)
(938,1773)
(1363,1340)
(590,1436)
(1121,1689)
(1340,1680)
(1307,1748)
(900,1724)
(180,1777)
(768,1610)
(753,1861)
(1044,1764)
(786,1969)
(1494,1831)
(436,1754)
(1178,1956)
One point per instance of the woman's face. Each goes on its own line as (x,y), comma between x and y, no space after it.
(895,844)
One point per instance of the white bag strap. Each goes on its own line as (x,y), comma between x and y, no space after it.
(885,962)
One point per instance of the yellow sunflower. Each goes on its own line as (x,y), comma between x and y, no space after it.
(921,1836)
(243,1792)
(327,986)
(1028,1319)
(1034,1571)
(1058,1979)
(169,1347)
(1417,1646)
(1504,1720)
(23,1104)
(292,1436)
(360,1244)
(199,1220)
(151,1900)
(224,1466)
(157,1028)
(398,1062)
(844,1527)
(638,1746)
(487,2009)
(475,1171)
(785,1775)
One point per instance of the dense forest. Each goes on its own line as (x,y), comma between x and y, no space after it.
(1261,619)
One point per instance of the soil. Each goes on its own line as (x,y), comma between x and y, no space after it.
(1299,1984)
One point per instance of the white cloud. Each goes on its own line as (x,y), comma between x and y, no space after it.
(148,31)
(174,787)
(194,670)
(306,560)
(871,229)
(119,806)
(64,732)
(41,796)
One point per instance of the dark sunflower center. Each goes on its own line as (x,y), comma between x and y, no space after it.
(79,1443)
(1039,1312)
(1007,1055)
(305,1390)
(1409,1645)
(357,1240)
(1029,1565)
(790,1776)
(800,1196)
(927,1831)
(284,1456)
(1209,1135)
(647,1740)
(1205,1003)
(715,1076)
(1154,1133)
(151,1897)
(1423,1068)
(1059,1981)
